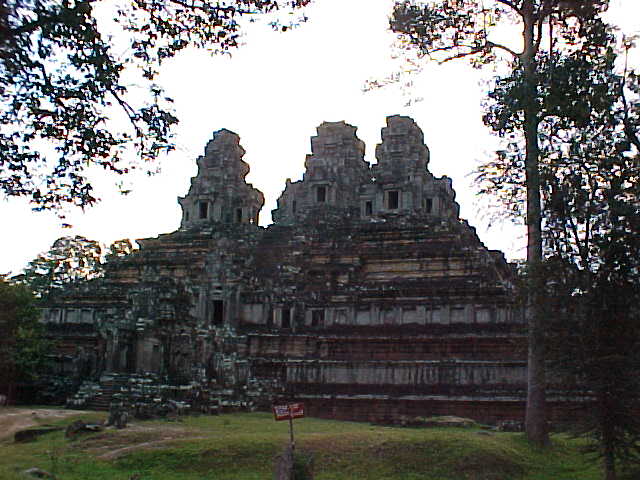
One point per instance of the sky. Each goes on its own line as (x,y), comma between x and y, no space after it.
(273,92)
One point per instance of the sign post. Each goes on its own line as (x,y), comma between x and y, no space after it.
(289,412)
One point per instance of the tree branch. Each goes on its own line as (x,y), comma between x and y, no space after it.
(629,130)
(511,5)
(208,9)
(499,46)
(131,114)
(540,22)
(473,50)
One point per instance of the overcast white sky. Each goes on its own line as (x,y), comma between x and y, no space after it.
(274,92)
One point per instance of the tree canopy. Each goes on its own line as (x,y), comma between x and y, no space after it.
(589,165)
(446,30)
(22,345)
(70,101)
(69,260)
(592,245)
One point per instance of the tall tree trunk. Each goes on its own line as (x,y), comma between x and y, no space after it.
(11,392)
(608,442)
(536,415)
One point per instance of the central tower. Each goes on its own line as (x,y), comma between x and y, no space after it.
(333,174)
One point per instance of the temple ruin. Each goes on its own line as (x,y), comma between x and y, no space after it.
(368,298)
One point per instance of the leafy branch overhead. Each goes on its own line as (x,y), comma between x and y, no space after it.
(67,97)
(450,29)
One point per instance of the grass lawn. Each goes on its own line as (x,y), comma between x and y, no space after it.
(243,446)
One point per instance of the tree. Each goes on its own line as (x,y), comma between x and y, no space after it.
(63,89)
(590,165)
(69,259)
(592,230)
(453,29)
(22,345)
(119,248)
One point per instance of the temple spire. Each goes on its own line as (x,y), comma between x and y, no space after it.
(219,192)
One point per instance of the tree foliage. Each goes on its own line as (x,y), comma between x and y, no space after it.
(590,166)
(573,88)
(23,347)
(592,230)
(446,30)
(64,89)
(119,248)
(592,235)
(68,260)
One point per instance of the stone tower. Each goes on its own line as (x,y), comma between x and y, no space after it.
(219,192)
(333,173)
(339,185)
(402,182)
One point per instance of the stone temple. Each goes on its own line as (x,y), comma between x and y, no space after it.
(368,298)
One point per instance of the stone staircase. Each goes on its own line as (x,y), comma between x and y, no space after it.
(98,396)
(109,385)
(148,389)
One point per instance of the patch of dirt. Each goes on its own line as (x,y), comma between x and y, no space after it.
(13,419)
(107,445)
(112,443)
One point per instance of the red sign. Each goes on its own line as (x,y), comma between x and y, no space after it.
(297,410)
(285,412)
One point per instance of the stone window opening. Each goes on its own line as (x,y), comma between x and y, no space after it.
(458,314)
(293,207)
(485,314)
(186,216)
(238,215)
(393,199)
(217,317)
(203,210)
(432,314)
(368,208)
(286,318)
(72,316)
(317,318)
(321,194)
(428,205)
